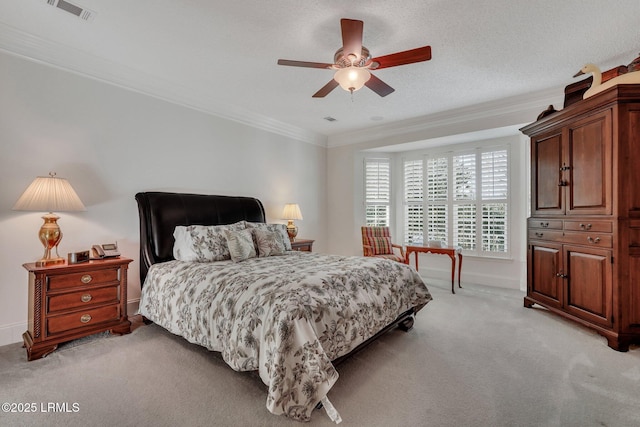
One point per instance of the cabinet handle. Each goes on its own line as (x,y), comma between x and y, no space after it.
(562,275)
(86,298)
(562,183)
(592,240)
(539,234)
(86,318)
(585,227)
(544,224)
(86,278)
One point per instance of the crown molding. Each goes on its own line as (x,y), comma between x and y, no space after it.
(494,114)
(17,42)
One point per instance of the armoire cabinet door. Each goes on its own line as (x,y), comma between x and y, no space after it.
(589,285)
(546,175)
(545,272)
(588,157)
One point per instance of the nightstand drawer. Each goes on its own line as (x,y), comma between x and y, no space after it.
(87,297)
(87,278)
(82,319)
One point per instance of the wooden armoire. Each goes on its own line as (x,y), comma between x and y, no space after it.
(583,245)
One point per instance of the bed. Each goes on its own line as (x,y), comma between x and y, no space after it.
(292,316)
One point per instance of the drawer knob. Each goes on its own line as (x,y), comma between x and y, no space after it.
(539,234)
(86,298)
(86,278)
(585,226)
(544,224)
(86,318)
(592,240)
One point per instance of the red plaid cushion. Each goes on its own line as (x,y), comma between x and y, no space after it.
(380,245)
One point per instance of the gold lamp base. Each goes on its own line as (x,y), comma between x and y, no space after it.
(292,230)
(50,236)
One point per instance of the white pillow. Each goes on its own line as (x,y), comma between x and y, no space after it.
(277,228)
(203,243)
(240,244)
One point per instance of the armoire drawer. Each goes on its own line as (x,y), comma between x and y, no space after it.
(550,235)
(590,239)
(551,224)
(591,226)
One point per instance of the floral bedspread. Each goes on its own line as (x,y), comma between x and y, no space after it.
(285,316)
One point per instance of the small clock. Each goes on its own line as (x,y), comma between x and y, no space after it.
(77,257)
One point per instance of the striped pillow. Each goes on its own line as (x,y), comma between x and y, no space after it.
(380,245)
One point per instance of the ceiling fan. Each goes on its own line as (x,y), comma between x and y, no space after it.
(353,62)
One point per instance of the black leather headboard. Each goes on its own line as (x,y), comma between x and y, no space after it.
(161,212)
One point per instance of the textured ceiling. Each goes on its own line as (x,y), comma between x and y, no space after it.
(220,56)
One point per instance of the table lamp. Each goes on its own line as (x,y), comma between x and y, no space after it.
(291,212)
(49,193)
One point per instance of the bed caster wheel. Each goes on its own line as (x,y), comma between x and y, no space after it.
(406,324)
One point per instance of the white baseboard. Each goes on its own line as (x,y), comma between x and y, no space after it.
(10,334)
(132,307)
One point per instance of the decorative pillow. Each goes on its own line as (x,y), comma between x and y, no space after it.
(380,245)
(276,228)
(203,243)
(240,244)
(269,243)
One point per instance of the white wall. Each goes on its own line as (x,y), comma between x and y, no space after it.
(110,143)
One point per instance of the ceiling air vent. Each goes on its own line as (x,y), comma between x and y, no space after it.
(78,11)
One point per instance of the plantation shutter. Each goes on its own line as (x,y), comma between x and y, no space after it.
(495,190)
(377,192)
(437,179)
(437,198)
(413,202)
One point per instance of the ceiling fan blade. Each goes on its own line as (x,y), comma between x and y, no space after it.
(402,58)
(326,89)
(378,86)
(304,64)
(352,37)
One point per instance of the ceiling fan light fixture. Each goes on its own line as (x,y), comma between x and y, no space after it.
(352,78)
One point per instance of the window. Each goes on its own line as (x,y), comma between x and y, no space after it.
(466,200)
(377,183)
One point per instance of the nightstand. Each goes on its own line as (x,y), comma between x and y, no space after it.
(304,245)
(67,302)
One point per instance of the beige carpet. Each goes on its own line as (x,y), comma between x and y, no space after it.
(477,358)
